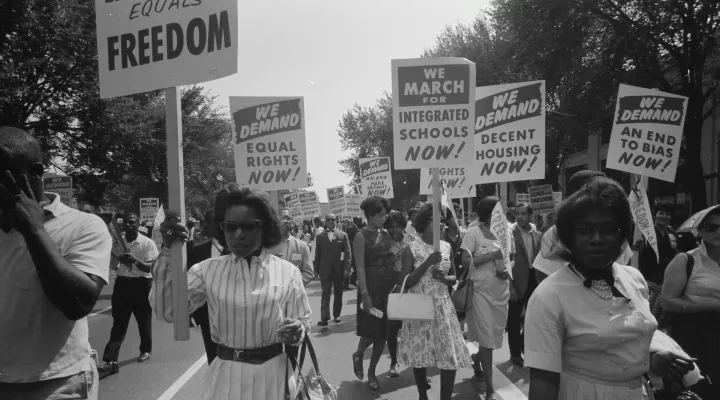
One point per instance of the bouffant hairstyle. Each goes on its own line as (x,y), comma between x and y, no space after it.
(423,217)
(234,195)
(374,205)
(485,208)
(395,218)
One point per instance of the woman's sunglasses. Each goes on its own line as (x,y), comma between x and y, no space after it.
(246,226)
(711,227)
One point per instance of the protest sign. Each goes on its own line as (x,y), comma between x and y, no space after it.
(510,132)
(336,199)
(376,175)
(456,180)
(157,221)
(499,228)
(309,206)
(292,203)
(352,205)
(324,209)
(433,112)
(642,215)
(151,44)
(647,132)
(522,198)
(541,199)
(269,142)
(62,185)
(557,199)
(148,210)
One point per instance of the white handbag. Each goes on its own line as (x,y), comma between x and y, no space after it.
(410,306)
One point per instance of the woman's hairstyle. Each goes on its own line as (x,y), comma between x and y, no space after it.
(485,208)
(395,218)
(234,195)
(422,218)
(374,205)
(598,194)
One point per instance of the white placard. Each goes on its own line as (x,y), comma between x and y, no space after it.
(62,185)
(376,175)
(352,205)
(542,199)
(148,209)
(456,179)
(336,200)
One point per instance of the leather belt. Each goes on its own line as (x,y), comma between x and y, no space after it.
(250,356)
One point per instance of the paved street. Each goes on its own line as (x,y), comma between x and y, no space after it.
(176,369)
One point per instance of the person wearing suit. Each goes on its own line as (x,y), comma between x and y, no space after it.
(197,253)
(527,245)
(332,262)
(352,230)
(293,249)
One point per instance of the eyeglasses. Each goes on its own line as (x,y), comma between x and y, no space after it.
(711,227)
(245,226)
(604,231)
(329,219)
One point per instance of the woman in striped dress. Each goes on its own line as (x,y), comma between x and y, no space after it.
(256,301)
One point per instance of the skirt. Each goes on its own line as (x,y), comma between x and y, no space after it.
(230,380)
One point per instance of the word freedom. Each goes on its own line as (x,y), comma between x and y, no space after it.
(150,46)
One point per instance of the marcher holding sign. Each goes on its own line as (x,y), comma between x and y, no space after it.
(456,180)
(269,137)
(150,45)
(433,112)
(376,175)
(647,132)
(510,132)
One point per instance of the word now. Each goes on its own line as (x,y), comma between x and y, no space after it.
(378,192)
(271,176)
(501,167)
(642,160)
(147,45)
(439,152)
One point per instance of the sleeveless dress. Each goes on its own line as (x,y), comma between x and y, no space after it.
(380,280)
(437,343)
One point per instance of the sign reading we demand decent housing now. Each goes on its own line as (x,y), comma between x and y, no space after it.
(376,175)
(647,132)
(269,137)
(155,44)
(433,112)
(510,132)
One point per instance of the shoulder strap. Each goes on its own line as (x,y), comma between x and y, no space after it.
(689,268)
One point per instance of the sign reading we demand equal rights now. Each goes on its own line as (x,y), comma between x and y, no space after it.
(269,137)
(155,44)
(376,175)
(647,132)
(433,112)
(510,132)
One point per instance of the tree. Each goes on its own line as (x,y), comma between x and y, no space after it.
(584,49)
(368,132)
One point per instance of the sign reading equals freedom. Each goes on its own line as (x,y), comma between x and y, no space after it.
(269,137)
(433,112)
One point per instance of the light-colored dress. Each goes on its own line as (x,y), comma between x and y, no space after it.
(487,316)
(437,343)
(600,347)
(247,304)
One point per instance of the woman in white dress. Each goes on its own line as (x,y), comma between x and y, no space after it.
(256,301)
(491,291)
(588,327)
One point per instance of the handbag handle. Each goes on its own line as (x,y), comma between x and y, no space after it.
(307,345)
(402,288)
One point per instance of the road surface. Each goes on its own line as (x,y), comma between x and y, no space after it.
(176,369)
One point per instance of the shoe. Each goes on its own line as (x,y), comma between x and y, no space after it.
(373,382)
(518,361)
(393,371)
(337,320)
(144,357)
(323,323)
(110,367)
(358,365)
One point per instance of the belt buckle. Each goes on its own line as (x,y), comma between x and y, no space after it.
(237,354)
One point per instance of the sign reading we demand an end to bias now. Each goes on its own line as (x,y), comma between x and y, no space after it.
(510,132)
(433,112)
(145,45)
(647,132)
(376,175)
(269,137)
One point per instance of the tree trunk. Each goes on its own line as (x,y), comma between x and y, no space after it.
(693,152)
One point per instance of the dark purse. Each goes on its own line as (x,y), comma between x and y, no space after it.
(668,394)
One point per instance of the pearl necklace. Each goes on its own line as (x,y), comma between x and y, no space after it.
(600,288)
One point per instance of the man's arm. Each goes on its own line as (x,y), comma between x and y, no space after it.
(306,268)
(318,251)
(348,254)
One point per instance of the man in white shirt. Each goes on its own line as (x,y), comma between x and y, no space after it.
(53,265)
(130,294)
(293,249)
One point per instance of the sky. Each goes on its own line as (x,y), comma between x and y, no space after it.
(334,53)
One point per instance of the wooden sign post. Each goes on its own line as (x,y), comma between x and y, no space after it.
(436,208)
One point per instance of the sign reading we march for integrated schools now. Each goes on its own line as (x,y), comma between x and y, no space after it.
(148,209)
(269,137)
(457,181)
(336,199)
(433,112)
(303,205)
(156,44)
(376,175)
(510,132)
(647,132)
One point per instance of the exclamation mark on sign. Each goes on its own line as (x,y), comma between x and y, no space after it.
(667,164)
(532,163)
(461,182)
(460,149)
(297,171)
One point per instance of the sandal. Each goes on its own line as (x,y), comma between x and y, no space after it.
(373,382)
(393,371)
(358,366)
(477,369)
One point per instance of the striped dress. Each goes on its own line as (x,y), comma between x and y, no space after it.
(247,305)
